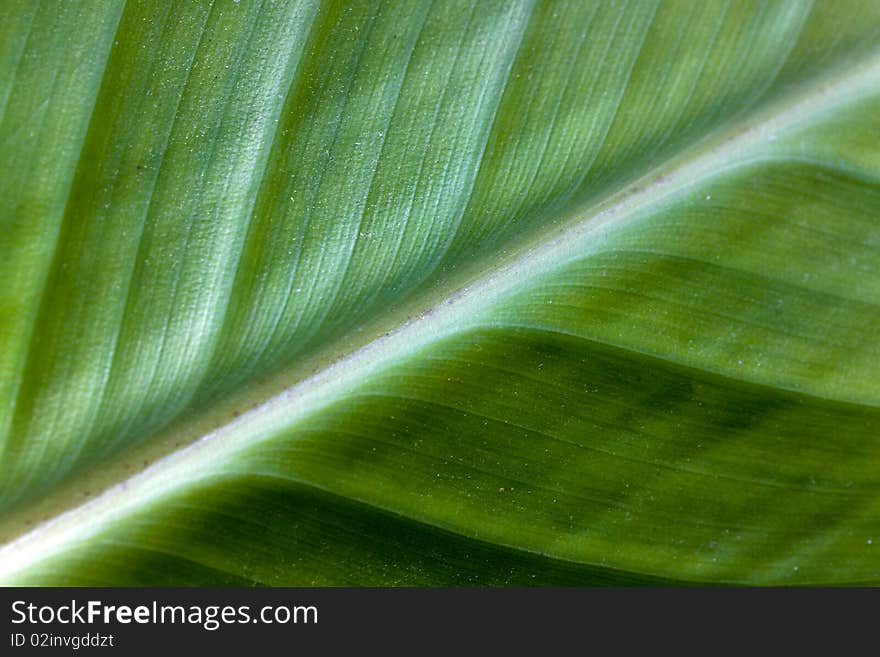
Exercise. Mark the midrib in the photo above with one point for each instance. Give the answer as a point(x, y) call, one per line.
point(59, 520)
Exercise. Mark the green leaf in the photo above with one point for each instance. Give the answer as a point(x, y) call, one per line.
point(440, 293)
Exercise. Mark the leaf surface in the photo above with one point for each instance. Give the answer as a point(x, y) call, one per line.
point(440, 293)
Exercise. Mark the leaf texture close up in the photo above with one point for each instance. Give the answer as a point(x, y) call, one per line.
point(533, 292)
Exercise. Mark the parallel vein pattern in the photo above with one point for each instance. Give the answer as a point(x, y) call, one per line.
point(453, 292)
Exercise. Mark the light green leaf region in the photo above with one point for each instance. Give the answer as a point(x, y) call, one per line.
point(440, 292)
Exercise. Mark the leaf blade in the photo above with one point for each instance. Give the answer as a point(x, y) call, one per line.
point(578, 233)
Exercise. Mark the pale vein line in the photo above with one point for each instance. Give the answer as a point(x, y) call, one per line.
point(114, 343)
point(264, 161)
point(586, 229)
point(356, 232)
